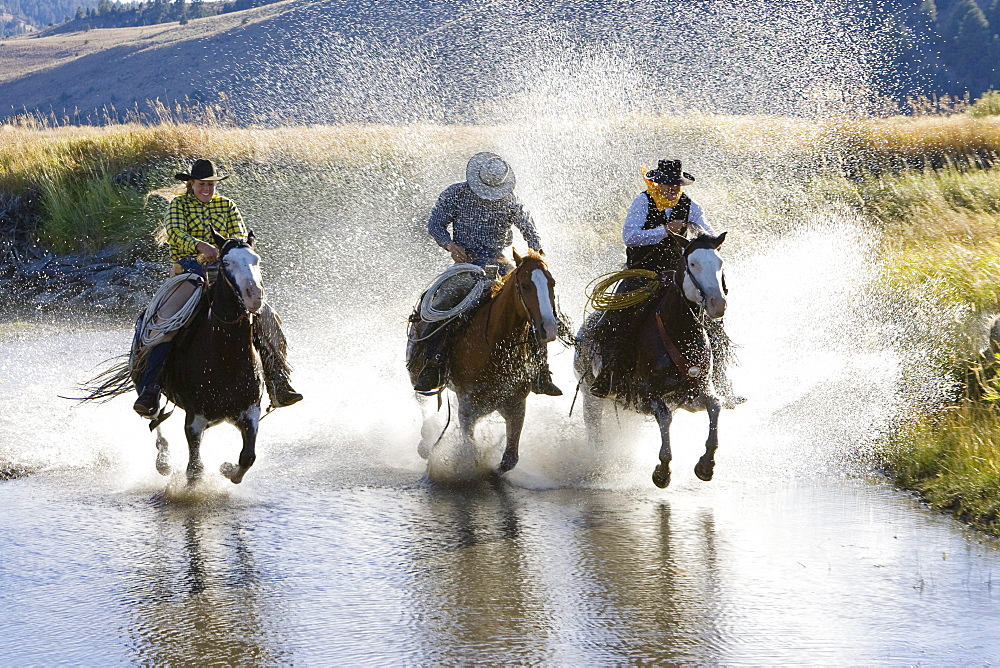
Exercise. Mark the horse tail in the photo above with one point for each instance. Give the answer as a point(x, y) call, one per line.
point(110, 383)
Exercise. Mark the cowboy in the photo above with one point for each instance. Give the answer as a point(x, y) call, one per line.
point(658, 213)
point(190, 221)
point(481, 212)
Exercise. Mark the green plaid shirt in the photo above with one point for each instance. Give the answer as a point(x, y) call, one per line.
point(190, 221)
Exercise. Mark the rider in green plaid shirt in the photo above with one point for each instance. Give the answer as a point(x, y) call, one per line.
point(190, 221)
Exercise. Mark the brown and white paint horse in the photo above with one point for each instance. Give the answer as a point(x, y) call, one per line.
point(491, 367)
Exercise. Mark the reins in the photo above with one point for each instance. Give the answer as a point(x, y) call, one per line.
point(673, 351)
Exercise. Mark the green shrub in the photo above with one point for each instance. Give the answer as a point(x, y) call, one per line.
point(987, 105)
point(89, 212)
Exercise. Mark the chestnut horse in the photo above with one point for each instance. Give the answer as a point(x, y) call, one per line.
point(492, 365)
point(674, 357)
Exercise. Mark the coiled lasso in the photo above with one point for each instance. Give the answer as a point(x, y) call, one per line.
point(153, 329)
point(431, 314)
point(602, 298)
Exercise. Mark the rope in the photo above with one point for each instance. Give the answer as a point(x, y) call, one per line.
point(602, 298)
point(431, 314)
point(153, 329)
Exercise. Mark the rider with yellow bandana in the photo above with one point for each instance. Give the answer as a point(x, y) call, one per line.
point(658, 213)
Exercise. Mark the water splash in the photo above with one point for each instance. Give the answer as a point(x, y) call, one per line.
point(578, 97)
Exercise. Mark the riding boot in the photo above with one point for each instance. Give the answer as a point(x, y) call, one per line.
point(270, 344)
point(429, 378)
point(148, 403)
point(542, 382)
point(603, 386)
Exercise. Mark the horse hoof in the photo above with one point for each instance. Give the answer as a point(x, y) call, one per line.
point(163, 464)
point(506, 465)
point(661, 476)
point(233, 472)
point(705, 471)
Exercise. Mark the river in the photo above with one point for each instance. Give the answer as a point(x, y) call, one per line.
point(339, 548)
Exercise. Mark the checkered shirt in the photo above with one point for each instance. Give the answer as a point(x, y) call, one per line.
point(482, 227)
point(190, 221)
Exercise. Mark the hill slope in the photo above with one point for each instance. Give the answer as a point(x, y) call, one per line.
point(406, 60)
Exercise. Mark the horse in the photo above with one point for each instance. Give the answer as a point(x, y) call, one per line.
point(212, 371)
point(491, 365)
point(675, 364)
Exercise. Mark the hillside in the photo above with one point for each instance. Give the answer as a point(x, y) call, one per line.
point(409, 60)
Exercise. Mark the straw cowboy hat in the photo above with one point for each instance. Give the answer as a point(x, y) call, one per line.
point(201, 170)
point(489, 176)
point(668, 173)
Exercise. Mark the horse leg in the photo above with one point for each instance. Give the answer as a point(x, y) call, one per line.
point(162, 454)
point(513, 415)
point(706, 464)
point(194, 428)
point(467, 419)
point(664, 415)
point(247, 424)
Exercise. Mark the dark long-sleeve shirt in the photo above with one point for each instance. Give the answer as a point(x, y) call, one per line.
point(481, 226)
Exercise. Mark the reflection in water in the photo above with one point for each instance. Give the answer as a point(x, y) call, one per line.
point(294, 571)
point(197, 595)
point(562, 578)
point(470, 561)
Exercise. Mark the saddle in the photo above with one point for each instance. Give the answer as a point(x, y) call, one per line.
point(442, 313)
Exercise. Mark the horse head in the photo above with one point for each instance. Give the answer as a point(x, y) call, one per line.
point(536, 290)
point(704, 282)
point(240, 265)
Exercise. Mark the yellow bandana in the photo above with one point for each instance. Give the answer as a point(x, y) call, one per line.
point(661, 202)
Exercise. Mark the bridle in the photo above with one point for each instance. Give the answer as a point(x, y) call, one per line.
point(244, 313)
point(697, 285)
point(524, 305)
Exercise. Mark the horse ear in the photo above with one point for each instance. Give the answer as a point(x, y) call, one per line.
point(251, 239)
point(218, 239)
point(719, 239)
point(517, 258)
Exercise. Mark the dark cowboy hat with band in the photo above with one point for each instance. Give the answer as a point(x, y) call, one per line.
point(489, 176)
point(201, 170)
point(668, 173)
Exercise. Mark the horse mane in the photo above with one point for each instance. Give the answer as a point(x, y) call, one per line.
point(499, 284)
point(703, 240)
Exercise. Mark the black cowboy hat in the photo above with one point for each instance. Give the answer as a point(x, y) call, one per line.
point(668, 173)
point(201, 170)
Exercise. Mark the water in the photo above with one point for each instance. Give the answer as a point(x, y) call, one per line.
point(339, 548)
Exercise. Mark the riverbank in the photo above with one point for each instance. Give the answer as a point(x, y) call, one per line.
point(940, 247)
